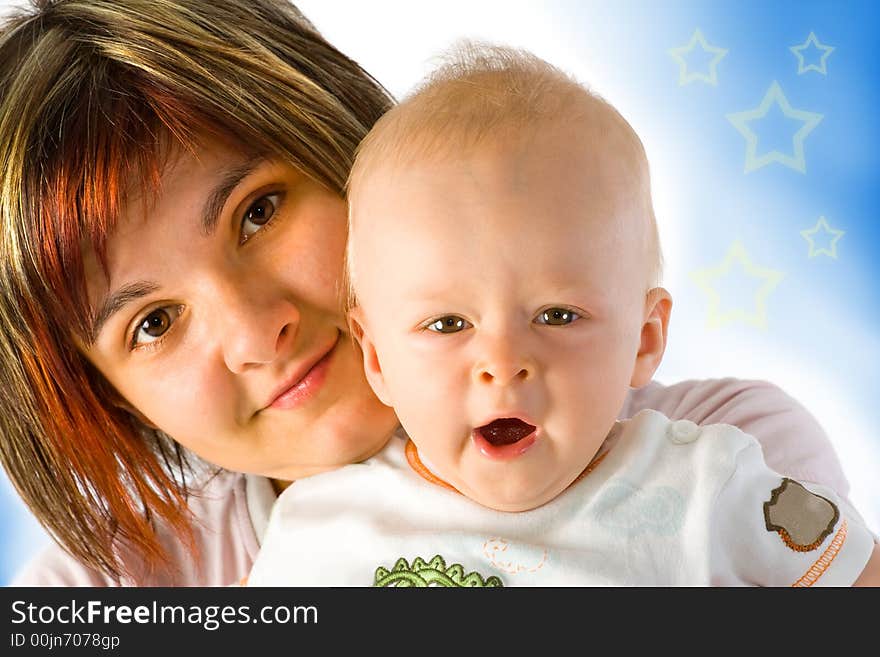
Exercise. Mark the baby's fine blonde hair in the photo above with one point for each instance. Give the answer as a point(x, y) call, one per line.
point(482, 93)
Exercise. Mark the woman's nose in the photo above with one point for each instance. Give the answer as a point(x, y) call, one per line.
point(257, 323)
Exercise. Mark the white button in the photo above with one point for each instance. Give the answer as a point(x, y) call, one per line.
point(683, 431)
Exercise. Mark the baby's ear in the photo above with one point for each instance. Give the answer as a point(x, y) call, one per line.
point(652, 344)
point(372, 367)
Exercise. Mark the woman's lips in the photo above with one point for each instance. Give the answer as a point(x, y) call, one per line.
point(306, 387)
point(504, 439)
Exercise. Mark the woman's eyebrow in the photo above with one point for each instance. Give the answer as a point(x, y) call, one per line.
point(229, 179)
point(116, 301)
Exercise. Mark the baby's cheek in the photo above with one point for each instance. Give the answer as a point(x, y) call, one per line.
point(428, 399)
point(581, 387)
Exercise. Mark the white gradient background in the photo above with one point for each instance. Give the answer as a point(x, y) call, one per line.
point(820, 343)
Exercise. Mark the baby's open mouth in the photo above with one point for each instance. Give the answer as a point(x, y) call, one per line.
point(505, 431)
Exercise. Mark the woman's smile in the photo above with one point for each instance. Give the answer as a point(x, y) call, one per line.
point(305, 383)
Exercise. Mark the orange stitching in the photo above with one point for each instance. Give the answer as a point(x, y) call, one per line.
point(412, 457)
point(509, 566)
point(822, 563)
point(789, 541)
point(590, 467)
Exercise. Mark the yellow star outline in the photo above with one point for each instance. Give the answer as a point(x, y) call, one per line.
point(678, 55)
point(820, 67)
point(704, 279)
point(822, 225)
point(795, 161)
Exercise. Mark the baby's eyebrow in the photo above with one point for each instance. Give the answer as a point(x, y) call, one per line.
point(229, 179)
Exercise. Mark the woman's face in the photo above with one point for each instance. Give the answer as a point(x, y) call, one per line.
point(221, 322)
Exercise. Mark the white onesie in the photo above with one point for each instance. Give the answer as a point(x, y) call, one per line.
point(669, 503)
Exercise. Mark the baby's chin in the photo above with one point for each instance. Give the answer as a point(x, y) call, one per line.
point(513, 498)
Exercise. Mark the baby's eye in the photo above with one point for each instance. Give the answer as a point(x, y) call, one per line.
point(556, 317)
point(258, 215)
point(448, 324)
point(154, 325)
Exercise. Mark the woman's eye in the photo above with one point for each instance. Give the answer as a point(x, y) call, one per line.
point(258, 215)
point(448, 324)
point(154, 326)
point(556, 317)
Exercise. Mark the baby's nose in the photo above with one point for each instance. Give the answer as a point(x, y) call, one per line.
point(503, 367)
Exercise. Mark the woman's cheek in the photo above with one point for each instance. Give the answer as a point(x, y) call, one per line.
point(188, 403)
point(311, 254)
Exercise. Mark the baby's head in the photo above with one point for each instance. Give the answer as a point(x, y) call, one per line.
point(503, 262)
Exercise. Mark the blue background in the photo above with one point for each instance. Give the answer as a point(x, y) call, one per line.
point(819, 339)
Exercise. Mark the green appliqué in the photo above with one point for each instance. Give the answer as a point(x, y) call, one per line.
point(432, 573)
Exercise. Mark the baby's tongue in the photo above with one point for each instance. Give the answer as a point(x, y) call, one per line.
point(505, 431)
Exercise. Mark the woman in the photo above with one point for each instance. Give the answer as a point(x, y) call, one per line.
point(173, 228)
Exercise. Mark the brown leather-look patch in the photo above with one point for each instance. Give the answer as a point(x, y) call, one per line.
point(801, 518)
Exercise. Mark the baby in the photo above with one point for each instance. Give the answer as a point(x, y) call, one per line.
point(504, 267)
